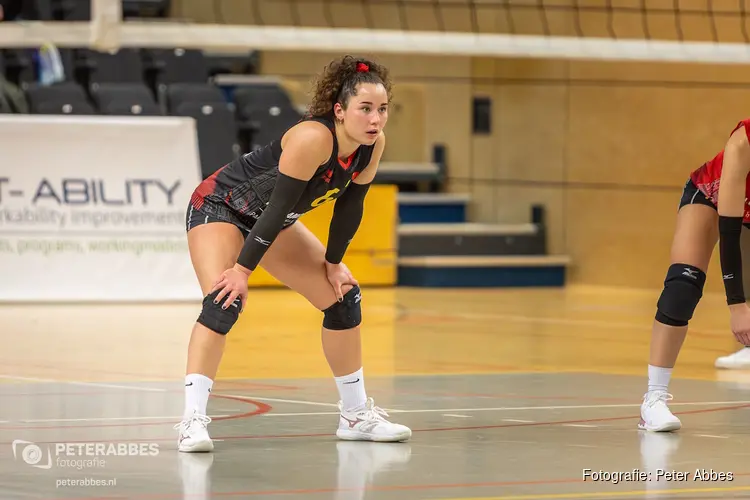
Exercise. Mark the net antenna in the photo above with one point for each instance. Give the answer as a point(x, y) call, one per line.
point(107, 31)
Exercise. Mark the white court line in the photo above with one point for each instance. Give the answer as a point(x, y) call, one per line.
point(522, 408)
point(106, 419)
point(579, 425)
point(571, 407)
point(712, 436)
point(457, 416)
point(88, 384)
point(517, 420)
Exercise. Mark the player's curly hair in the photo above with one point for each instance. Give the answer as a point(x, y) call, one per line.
point(339, 81)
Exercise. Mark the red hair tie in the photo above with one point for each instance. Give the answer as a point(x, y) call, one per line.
point(362, 68)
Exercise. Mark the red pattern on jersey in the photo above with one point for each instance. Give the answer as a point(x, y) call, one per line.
point(205, 188)
point(707, 178)
point(345, 164)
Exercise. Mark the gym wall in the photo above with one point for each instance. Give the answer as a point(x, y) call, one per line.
point(605, 146)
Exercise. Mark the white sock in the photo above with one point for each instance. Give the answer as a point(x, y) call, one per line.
point(658, 378)
point(352, 390)
point(197, 390)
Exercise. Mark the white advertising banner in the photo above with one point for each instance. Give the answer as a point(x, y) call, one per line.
point(93, 208)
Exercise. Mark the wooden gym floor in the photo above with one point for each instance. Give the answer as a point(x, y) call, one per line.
point(511, 394)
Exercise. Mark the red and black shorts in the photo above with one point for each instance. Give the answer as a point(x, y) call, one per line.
point(691, 195)
point(207, 211)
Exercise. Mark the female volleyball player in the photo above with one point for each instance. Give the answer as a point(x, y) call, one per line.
point(246, 214)
point(713, 207)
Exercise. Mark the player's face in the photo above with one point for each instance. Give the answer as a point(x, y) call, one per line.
point(367, 113)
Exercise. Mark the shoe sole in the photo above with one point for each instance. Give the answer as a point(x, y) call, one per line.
point(348, 435)
point(204, 447)
point(673, 426)
point(731, 366)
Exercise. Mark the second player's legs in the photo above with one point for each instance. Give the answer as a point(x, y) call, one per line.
point(695, 237)
point(297, 259)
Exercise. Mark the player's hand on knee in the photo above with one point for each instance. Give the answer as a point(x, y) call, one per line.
point(741, 323)
point(339, 275)
point(233, 284)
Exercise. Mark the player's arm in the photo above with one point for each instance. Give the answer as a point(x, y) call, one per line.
point(349, 207)
point(305, 147)
point(735, 167)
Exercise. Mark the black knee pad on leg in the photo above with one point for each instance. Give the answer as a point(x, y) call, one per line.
point(683, 289)
point(346, 314)
point(217, 319)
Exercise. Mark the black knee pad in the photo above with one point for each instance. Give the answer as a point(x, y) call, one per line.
point(683, 289)
point(346, 314)
point(217, 319)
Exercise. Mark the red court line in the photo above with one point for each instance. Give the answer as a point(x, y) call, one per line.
point(579, 421)
point(498, 426)
point(261, 408)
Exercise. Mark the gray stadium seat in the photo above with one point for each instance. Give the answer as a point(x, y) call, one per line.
point(124, 99)
point(265, 110)
point(176, 65)
point(65, 98)
point(123, 66)
point(215, 122)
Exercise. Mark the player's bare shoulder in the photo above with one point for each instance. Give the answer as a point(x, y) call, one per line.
point(310, 139)
point(736, 161)
point(739, 138)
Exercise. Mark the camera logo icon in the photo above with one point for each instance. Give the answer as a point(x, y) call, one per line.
point(31, 454)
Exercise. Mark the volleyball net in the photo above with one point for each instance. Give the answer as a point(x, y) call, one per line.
point(700, 31)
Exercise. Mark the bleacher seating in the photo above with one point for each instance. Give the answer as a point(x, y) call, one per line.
point(264, 110)
point(123, 66)
point(176, 66)
point(115, 82)
point(72, 10)
point(437, 249)
point(65, 98)
point(215, 122)
point(124, 99)
point(134, 82)
point(145, 8)
point(80, 10)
